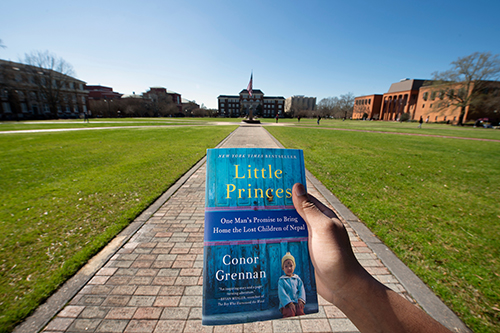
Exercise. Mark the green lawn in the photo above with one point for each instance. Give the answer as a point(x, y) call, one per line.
point(391, 126)
point(64, 195)
point(433, 201)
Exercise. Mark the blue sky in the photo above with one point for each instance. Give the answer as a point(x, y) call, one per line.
point(203, 48)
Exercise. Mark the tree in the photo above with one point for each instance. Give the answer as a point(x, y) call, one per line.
point(51, 75)
point(465, 83)
point(346, 105)
point(326, 107)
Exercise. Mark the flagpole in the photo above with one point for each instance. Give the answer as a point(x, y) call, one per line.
point(250, 93)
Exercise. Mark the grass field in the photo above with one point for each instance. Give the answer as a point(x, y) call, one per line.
point(433, 201)
point(64, 195)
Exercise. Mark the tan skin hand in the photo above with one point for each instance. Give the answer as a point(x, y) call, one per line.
point(342, 281)
point(333, 260)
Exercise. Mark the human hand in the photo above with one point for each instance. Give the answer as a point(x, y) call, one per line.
point(329, 246)
point(341, 280)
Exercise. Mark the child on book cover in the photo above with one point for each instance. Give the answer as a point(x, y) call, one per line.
point(291, 290)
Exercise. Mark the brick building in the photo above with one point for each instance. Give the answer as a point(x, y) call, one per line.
point(367, 107)
point(419, 98)
point(262, 106)
point(101, 92)
point(157, 93)
point(28, 92)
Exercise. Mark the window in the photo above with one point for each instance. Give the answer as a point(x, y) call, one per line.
point(433, 95)
point(425, 96)
point(6, 107)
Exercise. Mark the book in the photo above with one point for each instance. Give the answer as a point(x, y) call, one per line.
point(256, 256)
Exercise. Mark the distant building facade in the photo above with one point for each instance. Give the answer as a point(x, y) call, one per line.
point(100, 92)
point(24, 93)
point(420, 98)
point(239, 105)
point(299, 103)
point(157, 93)
point(367, 107)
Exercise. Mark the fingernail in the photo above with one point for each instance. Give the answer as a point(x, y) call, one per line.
point(301, 190)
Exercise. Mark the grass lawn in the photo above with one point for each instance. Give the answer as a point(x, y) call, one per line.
point(392, 126)
point(433, 201)
point(64, 195)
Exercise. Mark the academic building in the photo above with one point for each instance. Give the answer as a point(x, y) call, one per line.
point(299, 103)
point(28, 92)
point(418, 98)
point(262, 106)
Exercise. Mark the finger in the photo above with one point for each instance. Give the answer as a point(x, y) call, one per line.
point(308, 206)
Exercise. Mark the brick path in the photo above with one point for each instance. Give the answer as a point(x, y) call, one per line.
point(154, 281)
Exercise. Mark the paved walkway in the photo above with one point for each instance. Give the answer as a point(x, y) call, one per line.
point(149, 278)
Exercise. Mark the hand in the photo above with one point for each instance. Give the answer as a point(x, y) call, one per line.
point(291, 306)
point(329, 246)
point(341, 280)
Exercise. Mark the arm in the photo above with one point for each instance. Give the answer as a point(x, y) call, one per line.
point(283, 296)
point(302, 292)
point(341, 280)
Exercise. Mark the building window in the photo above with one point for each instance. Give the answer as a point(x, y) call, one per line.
point(6, 107)
point(425, 96)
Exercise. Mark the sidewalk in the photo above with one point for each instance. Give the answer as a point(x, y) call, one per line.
point(149, 278)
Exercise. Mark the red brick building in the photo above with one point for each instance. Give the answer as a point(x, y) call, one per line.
point(367, 107)
point(419, 98)
point(101, 92)
point(156, 93)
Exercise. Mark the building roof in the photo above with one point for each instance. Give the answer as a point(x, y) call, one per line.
point(254, 91)
point(405, 85)
point(228, 96)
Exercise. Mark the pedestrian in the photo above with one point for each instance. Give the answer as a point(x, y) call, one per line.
point(277, 117)
point(319, 118)
point(298, 118)
point(420, 122)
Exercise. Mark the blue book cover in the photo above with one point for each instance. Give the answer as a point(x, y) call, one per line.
point(256, 259)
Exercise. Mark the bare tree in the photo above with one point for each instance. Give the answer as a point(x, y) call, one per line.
point(51, 74)
point(465, 83)
point(346, 105)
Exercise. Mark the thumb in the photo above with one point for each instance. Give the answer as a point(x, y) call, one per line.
point(308, 207)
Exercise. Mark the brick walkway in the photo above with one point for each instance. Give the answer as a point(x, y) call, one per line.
point(154, 281)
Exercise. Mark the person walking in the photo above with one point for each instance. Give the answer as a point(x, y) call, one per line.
point(420, 122)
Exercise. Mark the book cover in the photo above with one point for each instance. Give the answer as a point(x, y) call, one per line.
point(256, 259)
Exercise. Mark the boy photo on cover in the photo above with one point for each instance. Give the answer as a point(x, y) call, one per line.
point(291, 290)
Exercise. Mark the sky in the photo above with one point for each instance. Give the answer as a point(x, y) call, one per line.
point(203, 49)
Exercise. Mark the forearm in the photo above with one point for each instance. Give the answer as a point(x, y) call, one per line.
point(372, 307)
